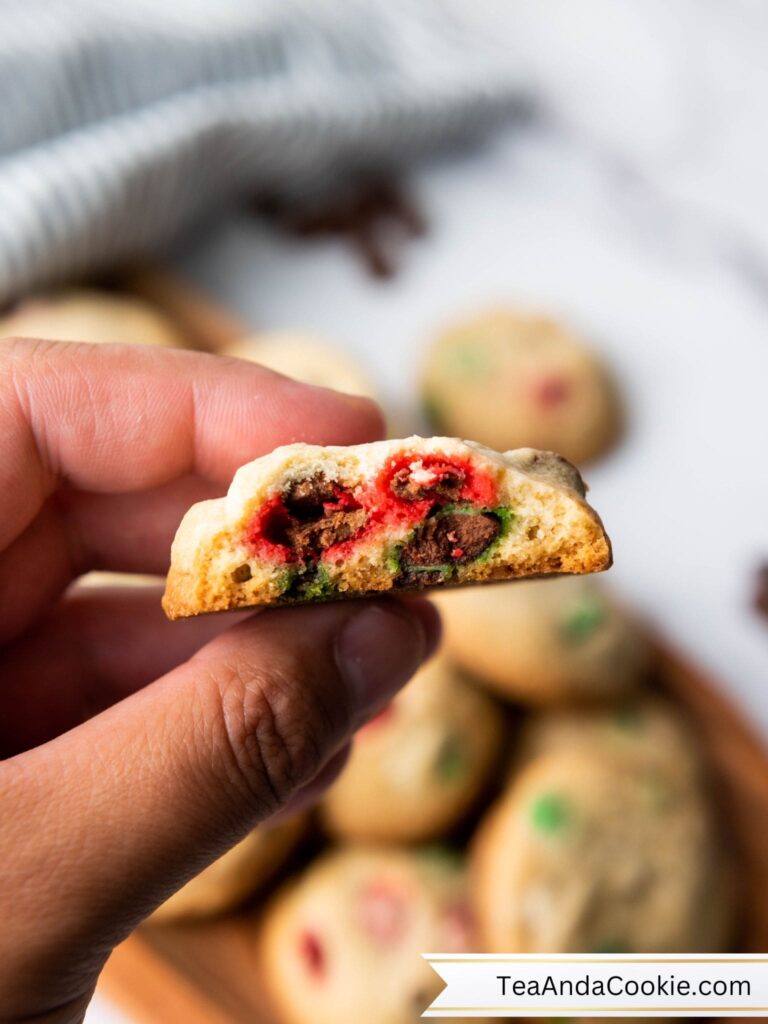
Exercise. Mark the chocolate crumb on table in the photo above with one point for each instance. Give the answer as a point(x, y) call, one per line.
point(760, 600)
point(373, 215)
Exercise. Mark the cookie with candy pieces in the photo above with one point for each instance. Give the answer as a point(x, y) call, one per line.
point(309, 523)
point(343, 943)
point(512, 377)
point(421, 764)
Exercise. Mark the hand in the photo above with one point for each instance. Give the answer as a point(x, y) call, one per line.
point(116, 788)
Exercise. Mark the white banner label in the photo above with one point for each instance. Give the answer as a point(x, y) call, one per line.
point(605, 985)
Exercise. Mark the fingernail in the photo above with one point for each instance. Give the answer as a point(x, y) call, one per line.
point(378, 651)
point(429, 618)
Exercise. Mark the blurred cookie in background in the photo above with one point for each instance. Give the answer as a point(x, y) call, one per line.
point(418, 768)
point(236, 876)
point(545, 641)
point(343, 943)
point(81, 314)
point(304, 357)
point(590, 853)
point(646, 729)
point(514, 379)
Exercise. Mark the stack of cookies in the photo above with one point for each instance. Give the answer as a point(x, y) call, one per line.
point(530, 790)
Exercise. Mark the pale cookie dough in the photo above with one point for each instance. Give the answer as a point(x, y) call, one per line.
point(343, 944)
point(546, 641)
point(304, 357)
point(236, 876)
point(92, 316)
point(589, 853)
point(510, 378)
point(417, 768)
point(308, 523)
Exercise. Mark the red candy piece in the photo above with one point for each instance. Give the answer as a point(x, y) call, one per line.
point(312, 953)
point(266, 534)
point(457, 552)
point(552, 391)
point(477, 485)
point(268, 537)
point(343, 501)
point(383, 911)
point(457, 928)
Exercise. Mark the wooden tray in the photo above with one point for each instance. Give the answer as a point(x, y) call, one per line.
point(204, 973)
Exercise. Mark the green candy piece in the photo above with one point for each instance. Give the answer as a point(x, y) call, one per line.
point(628, 718)
point(320, 586)
point(451, 764)
point(550, 813)
point(506, 518)
point(610, 947)
point(392, 559)
point(468, 361)
point(309, 584)
point(445, 856)
point(287, 581)
point(583, 619)
point(504, 515)
point(657, 791)
point(433, 411)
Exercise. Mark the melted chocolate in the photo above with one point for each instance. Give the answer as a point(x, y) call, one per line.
point(453, 538)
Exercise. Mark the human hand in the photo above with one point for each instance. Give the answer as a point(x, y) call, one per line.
point(138, 750)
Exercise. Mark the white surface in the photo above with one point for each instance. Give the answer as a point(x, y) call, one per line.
point(637, 208)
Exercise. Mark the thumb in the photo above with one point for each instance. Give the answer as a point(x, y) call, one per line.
point(103, 823)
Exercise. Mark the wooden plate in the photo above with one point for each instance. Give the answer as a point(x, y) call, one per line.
point(205, 973)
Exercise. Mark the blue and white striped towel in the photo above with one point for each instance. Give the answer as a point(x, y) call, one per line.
point(122, 121)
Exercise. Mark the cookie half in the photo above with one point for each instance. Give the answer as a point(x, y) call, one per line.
point(309, 523)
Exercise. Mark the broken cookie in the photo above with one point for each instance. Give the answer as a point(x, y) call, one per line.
point(310, 523)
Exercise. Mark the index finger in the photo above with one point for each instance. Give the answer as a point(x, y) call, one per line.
point(116, 418)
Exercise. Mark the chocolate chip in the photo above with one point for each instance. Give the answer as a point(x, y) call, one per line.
point(447, 486)
point(242, 573)
point(305, 498)
point(410, 576)
point(316, 514)
point(456, 538)
point(331, 528)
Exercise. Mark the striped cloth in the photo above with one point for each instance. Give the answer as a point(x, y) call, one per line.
point(123, 121)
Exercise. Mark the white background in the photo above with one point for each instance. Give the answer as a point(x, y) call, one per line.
point(634, 202)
